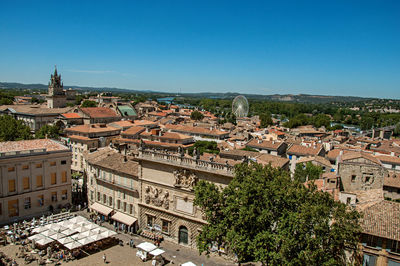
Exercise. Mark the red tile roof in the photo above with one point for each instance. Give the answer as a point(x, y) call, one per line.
point(264, 144)
point(382, 219)
point(99, 112)
point(71, 115)
point(92, 128)
point(303, 150)
point(133, 130)
point(26, 145)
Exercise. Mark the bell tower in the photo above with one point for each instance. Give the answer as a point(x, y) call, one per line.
point(56, 97)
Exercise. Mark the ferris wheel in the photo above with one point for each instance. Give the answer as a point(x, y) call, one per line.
point(240, 106)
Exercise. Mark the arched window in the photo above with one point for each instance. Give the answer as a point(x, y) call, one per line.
point(183, 235)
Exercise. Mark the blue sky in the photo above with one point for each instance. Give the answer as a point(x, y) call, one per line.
point(315, 47)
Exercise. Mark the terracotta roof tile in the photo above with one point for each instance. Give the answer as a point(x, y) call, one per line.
point(133, 130)
point(382, 219)
point(99, 112)
point(71, 115)
point(263, 144)
point(303, 150)
point(26, 145)
point(92, 128)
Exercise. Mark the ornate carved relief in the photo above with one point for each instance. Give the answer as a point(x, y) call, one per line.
point(156, 197)
point(185, 179)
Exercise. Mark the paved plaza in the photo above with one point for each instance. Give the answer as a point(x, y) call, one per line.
point(125, 255)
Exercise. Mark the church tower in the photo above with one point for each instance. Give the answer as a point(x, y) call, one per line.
point(56, 97)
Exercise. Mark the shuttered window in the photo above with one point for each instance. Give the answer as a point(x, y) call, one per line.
point(64, 177)
point(25, 183)
point(39, 181)
point(11, 185)
point(53, 178)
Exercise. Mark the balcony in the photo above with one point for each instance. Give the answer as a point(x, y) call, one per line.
point(174, 159)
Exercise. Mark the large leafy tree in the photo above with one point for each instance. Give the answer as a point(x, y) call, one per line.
point(88, 103)
point(48, 131)
point(263, 215)
point(196, 115)
point(308, 171)
point(12, 129)
point(265, 120)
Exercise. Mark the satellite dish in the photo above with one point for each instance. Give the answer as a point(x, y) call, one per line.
point(240, 106)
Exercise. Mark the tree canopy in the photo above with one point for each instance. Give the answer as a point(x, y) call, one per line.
point(263, 215)
point(88, 103)
point(203, 146)
point(49, 131)
point(265, 120)
point(308, 171)
point(196, 115)
point(12, 129)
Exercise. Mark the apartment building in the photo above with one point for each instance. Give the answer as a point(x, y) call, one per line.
point(86, 137)
point(35, 177)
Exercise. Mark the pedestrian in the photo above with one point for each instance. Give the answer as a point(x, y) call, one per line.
point(104, 258)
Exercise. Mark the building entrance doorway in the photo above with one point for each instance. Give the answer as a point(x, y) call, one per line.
point(183, 235)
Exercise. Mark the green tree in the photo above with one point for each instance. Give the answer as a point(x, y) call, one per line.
point(322, 120)
point(88, 103)
point(203, 146)
point(196, 115)
point(49, 131)
point(308, 171)
point(367, 122)
point(396, 131)
point(265, 120)
point(265, 216)
point(12, 129)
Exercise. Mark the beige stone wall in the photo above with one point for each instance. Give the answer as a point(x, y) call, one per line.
point(159, 186)
point(360, 174)
point(175, 222)
point(27, 167)
point(121, 188)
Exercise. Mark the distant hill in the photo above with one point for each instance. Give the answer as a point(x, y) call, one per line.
point(301, 98)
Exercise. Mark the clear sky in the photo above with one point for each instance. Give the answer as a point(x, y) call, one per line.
point(267, 47)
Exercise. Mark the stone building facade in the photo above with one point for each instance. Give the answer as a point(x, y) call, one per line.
point(35, 177)
point(360, 171)
point(167, 194)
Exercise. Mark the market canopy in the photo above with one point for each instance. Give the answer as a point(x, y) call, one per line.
point(147, 246)
point(189, 263)
point(73, 245)
point(157, 252)
point(101, 208)
point(123, 218)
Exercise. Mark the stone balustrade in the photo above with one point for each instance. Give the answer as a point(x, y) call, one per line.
point(182, 161)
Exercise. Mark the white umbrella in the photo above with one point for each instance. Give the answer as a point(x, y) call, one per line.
point(39, 229)
point(91, 226)
point(48, 233)
point(189, 263)
point(81, 229)
point(97, 237)
point(57, 236)
point(65, 240)
point(68, 232)
point(97, 230)
point(35, 237)
point(77, 219)
point(86, 240)
point(73, 245)
point(108, 233)
point(147, 246)
point(44, 241)
point(157, 252)
point(86, 233)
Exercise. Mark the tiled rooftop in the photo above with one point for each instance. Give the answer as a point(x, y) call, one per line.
point(26, 145)
point(382, 219)
point(99, 112)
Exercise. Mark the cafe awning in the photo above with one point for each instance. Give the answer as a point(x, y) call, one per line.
point(101, 208)
point(123, 218)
